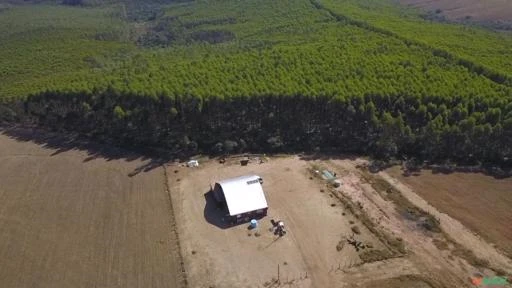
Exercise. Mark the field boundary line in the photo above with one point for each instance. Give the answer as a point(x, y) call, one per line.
point(497, 259)
point(174, 229)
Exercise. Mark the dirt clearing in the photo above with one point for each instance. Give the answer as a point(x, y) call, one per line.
point(479, 10)
point(317, 251)
point(311, 254)
point(482, 203)
point(72, 219)
point(400, 282)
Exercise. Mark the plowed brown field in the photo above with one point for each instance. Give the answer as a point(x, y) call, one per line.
point(71, 220)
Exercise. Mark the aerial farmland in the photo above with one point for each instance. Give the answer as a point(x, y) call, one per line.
point(255, 143)
point(96, 215)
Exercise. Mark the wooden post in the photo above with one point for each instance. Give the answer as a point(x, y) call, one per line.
point(278, 280)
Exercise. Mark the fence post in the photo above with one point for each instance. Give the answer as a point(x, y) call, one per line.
point(278, 280)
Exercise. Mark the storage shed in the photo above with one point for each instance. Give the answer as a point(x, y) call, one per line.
point(244, 197)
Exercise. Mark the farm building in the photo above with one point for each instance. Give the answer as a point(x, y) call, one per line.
point(244, 197)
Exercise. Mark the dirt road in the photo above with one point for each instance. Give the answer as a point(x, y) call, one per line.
point(72, 219)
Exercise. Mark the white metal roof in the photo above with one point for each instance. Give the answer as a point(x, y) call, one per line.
point(243, 194)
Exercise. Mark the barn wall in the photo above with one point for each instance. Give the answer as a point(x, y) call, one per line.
point(218, 194)
point(246, 217)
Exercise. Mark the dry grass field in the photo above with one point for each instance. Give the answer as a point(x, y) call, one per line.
point(73, 217)
point(479, 10)
point(480, 202)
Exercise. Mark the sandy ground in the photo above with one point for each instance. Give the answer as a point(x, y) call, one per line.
point(423, 256)
point(213, 251)
point(75, 218)
point(480, 10)
point(482, 203)
point(228, 257)
point(409, 282)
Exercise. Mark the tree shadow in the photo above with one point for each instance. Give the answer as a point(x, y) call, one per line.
point(410, 171)
point(495, 172)
point(152, 164)
point(407, 173)
point(327, 156)
point(65, 142)
point(272, 242)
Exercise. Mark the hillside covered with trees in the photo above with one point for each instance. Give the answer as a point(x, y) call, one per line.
point(224, 76)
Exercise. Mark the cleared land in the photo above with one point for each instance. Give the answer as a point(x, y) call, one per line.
point(486, 10)
point(409, 282)
point(319, 219)
point(77, 215)
point(75, 218)
point(480, 202)
point(225, 256)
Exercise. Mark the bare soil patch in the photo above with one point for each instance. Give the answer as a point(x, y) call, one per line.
point(71, 217)
point(322, 246)
point(315, 249)
point(409, 281)
point(448, 264)
point(480, 10)
point(482, 203)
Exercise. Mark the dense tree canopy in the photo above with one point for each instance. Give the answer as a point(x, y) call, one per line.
point(225, 76)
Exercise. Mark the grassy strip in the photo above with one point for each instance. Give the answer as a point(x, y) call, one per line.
point(470, 256)
point(394, 246)
point(428, 221)
point(407, 281)
point(402, 205)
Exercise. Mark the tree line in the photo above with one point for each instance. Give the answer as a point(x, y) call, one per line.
point(460, 129)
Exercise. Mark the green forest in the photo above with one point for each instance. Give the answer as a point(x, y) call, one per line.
point(226, 76)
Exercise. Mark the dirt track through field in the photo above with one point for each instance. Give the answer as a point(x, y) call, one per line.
point(479, 202)
point(72, 219)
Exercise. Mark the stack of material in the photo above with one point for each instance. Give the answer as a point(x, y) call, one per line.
point(328, 175)
point(244, 161)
